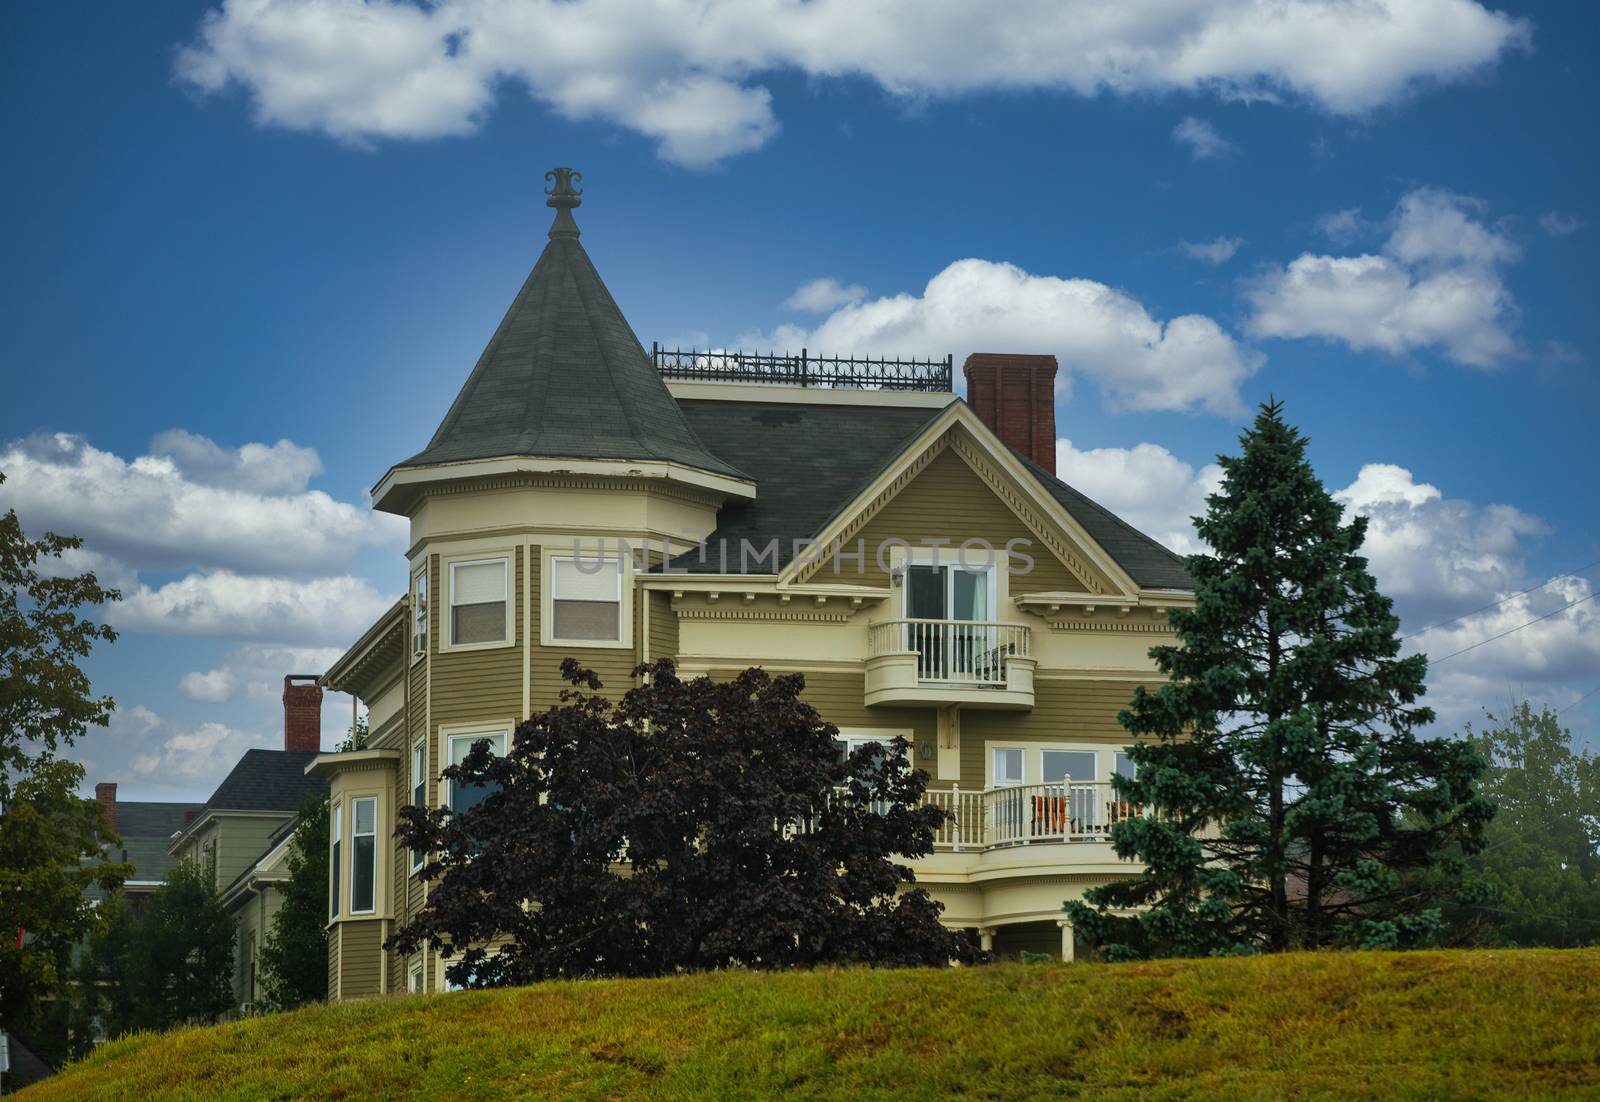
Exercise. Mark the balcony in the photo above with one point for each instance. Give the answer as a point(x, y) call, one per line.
point(974, 663)
point(1026, 814)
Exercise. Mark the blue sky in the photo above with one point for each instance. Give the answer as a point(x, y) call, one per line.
point(299, 223)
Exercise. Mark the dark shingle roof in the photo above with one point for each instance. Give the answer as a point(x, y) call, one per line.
point(564, 376)
point(809, 461)
point(267, 780)
point(147, 829)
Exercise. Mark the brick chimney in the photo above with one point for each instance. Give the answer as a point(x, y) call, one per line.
point(302, 713)
point(1015, 395)
point(106, 793)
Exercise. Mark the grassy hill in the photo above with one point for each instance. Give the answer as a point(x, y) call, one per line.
point(1360, 1025)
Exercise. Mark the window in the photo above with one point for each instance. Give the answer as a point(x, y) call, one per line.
point(335, 818)
point(478, 602)
point(419, 793)
point(414, 977)
point(463, 797)
point(1058, 765)
point(363, 854)
point(1007, 766)
point(419, 614)
point(1124, 765)
point(586, 599)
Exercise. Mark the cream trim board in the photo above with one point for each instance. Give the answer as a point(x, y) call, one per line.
point(1032, 757)
point(396, 489)
point(548, 556)
point(503, 554)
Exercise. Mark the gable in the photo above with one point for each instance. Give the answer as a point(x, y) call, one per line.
point(946, 498)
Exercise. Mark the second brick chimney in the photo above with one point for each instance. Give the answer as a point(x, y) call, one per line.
point(106, 793)
point(302, 714)
point(1015, 395)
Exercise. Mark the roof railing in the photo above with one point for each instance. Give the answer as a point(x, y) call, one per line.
point(788, 369)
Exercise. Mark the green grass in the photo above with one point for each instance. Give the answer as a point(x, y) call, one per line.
point(1438, 1025)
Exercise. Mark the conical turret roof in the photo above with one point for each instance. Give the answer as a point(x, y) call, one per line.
point(564, 376)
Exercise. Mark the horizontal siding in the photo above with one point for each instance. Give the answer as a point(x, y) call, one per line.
point(840, 699)
point(470, 686)
point(948, 501)
point(361, 959)
point(334, 936)
point(663, 626)
point(1069, 711)
point(613, 665)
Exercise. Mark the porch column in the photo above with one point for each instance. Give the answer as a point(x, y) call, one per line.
point(986, 938)
point(1066, 939)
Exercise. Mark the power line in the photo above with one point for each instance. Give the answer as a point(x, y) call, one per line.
point(1513, 631)
point(1502, 600)
point(1580, 700)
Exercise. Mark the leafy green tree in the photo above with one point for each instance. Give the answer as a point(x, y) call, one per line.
point(183, 960)
point(108, 996)
point(294, 957)
point(52, 848)
point(1295, 803)
point(1542, 856)
point(692, 825)
point(45, 698)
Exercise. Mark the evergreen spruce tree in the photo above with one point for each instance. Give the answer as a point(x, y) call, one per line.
point(1294, 804)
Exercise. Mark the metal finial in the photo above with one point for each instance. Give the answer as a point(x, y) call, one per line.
point(563, 194)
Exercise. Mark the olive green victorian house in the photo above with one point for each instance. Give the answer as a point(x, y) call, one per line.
point(853, 519)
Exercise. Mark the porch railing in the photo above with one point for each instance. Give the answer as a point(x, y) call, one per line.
point(969, 652)
point(1013, 815)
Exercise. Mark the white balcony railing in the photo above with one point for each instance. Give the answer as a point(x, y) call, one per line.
point(956, 652)
point(1066, 811)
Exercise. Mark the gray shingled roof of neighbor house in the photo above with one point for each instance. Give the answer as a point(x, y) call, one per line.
point(267, 780)
point(565, 377)
point(810, 461)
point(147, 828)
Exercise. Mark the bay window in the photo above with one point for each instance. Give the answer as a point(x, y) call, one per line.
point(464, 797)
point(419, 791)
point(335, 822)
point(363, 855)
point(586, 600)
point(419, 615)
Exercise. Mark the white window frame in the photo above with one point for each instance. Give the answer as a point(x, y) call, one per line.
point(547, 583)
point(414, 985)
point(335, 857)
point(447, 627)
point(419, 796)
point(992, 772)
point(373, 834)
point(1033, 758)
point(419, 630)
point(472, 733)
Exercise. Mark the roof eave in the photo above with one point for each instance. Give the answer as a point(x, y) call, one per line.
point(398, 489)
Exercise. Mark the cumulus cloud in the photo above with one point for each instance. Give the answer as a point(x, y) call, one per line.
point(1558, 224)
point(1442, 559)
point(818, 296)
point(220, 604)
point(686, 74)
point(1343, 226)
point(1436, 283)
point(1146, 485)
point(1203, 140)
point(1103, 334)
point(255, 672)
point(191, 503)
point(1219, 250)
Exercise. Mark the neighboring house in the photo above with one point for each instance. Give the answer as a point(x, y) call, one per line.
point(242, 833)
point(801, 505)
point(146, 829)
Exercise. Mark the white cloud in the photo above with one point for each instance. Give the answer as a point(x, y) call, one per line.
point(1145, 485)
point(196, 505)
point(685, 72)
point(1219, 250)
point(256, 671)
point(1343, 226)
point(1184, 363)
point(1203, 141)
point(222, 605)
point(1437, 283)
point(818, 296)
point(202, 753)
point(1558, 224)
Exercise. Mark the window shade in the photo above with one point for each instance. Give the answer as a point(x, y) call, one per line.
point(478, 583)
point(593, 581)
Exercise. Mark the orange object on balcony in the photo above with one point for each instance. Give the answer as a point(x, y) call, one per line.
point(1050, 815)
